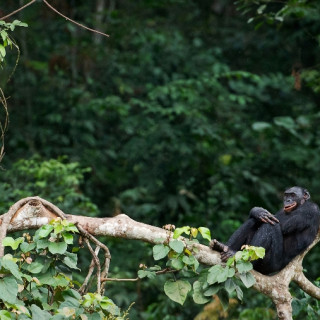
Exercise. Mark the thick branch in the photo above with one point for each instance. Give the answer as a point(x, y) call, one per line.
point(306, 285)
point(120, 226)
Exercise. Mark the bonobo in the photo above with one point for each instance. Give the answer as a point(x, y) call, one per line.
point(284, 235)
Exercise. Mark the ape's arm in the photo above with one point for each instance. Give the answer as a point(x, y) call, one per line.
point(263, 215)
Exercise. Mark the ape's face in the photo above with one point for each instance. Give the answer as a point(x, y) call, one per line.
point(294, 197)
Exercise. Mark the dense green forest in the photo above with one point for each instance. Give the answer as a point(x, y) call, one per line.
point(189, 113)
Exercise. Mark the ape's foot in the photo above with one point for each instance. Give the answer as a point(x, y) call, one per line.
point(226, 255)
point(225, 251)
point(218, 246)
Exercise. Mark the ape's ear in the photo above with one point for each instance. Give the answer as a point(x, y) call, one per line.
point(306, 194)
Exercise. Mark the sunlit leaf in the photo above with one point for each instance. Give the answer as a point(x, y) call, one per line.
point(177, 290)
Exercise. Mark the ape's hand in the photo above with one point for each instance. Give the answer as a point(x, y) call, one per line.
point(263, 215)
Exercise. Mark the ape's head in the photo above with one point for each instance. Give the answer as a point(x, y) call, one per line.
point(294, 197)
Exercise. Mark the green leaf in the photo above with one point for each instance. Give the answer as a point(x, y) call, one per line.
point(160, 251)
point(155, 268)
point(13, 243)
point(176, 245)
point(177, 290)
point(285, 122)
point(69, 226)
point(212, 290)
point(4, 35)
point(11, 266)
point(177, 264)
point(19, 23)
point(108, 305)
point(34, 267)
point(205, 232)
point(179, 231)
point(27, 247)
point(146, 274)
point(238, 256)
point(224, 298)
point(65, 312)
point(198, 296)
point(56, 281)
point(239, 293)
point(191, 260)
point(42, 244)
point(244, 266)
point(261, 9)
point(230, 286)
point(260, 126)
point(38, 314)
point(225, 274)
point(71, 260)
point(2, 51)
point(71, 293)
point(57, 247)
point(67, 237)
point(8, 289)
point(58, 228)
point(5, 315)
point(259, 251)
point(44, 231)
point(247, 279)
point(213, 274)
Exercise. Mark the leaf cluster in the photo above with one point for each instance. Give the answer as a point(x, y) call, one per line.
point(220, 280)
point(37, 279)
point(5, 38)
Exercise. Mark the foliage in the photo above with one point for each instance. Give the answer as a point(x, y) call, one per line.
point(304, 306)
point(6, 40)
point(37, 279)
point(56, 180)
point(202, 282)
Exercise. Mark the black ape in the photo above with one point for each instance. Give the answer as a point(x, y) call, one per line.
point(284, 235)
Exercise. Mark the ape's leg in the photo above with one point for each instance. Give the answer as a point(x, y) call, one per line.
point(244, 234)
point(269, 237)
point(240, 237)
point(218, 246)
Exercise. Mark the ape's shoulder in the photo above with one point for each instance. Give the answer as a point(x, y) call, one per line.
point(311, 207)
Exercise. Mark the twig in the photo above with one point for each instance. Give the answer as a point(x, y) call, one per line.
point(91, 268)
point(86, 234)
point(56, 11)
point(4, 126)
point(104, 273)
point(107, 257)
point(17, 60)
point(16, 11)
point(77, 23)
point(119, 280)
point(97, 263)
point(166, 270)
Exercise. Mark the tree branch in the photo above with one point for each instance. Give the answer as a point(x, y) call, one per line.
point(16, 11)
point(77, 23)
point(57, 12)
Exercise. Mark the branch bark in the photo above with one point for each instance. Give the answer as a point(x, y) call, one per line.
point(34, 212)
